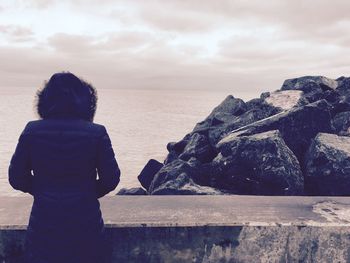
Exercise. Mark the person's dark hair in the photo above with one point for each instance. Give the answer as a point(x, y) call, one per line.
point(66, 96)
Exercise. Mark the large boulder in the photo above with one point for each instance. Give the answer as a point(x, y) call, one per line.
point(257, 110)
point(132, 191)
point(314, 87)
point(148, 172)
point(198, 147)
point(285, 99)
point(302, 83)
point(226, 110)
point(341, 123)
point(343, 91)
point(176, 148)
point(170, 172)
point(184, 185)
point(328, 165)
point(260, 164)
point(344, 87)
point(297, 126)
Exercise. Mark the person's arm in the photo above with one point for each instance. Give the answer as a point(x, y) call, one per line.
point(19, 171)
point(107, 166)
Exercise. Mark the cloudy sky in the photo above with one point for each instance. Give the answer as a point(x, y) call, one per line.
point(233, 45)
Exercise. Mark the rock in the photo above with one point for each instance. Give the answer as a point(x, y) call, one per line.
point(226, 110)
point(230, 105)
point(184, 185)
point(231, 114)
point(259, 110)
point(340, 106)
point(265, 95)
point(286, 99)
point(169, 172)
point(341, 123)
point(302, 83)
point(201, 172)
point(132, 191)
point(343, 90)
point(328, 165)
point(314, 87)
point(297, 126)
point(247, 147)
point(260, 164)
point(344, 87)
point(198, 146)
point(172, 156)
point(148, 172)
point(176, 148)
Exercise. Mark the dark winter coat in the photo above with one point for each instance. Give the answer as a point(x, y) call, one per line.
point(57, 160)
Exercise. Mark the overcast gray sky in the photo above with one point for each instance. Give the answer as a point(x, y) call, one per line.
point(233, 45)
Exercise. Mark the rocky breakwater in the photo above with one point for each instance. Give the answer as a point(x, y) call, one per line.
point(293, 141)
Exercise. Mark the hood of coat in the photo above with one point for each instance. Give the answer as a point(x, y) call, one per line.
point(66, 96)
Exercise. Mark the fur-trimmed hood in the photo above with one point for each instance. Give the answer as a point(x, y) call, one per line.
point(66, 96)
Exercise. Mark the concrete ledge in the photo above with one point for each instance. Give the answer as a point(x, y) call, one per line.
point(206, 228)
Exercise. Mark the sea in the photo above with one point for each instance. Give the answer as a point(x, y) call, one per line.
point(140, 123)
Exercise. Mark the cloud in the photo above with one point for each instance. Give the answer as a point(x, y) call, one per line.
point(71, 44)
point(40, 4)
point(297, 18)
point(157, 66)
point(16, 33)
point(231, 45)
point(184, 21)
point(96, 45)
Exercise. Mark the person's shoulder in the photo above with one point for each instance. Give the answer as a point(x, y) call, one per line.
point(31, 125)
point(100, 128)
point(43, 125)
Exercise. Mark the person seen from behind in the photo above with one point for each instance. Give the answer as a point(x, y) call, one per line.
point(66, 162)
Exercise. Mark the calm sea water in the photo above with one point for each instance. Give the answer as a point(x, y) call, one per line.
point(140, 124)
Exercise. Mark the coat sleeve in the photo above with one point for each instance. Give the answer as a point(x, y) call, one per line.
point(107, 166)
point(19, 171)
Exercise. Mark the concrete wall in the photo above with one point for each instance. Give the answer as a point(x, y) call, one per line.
point(207, 229)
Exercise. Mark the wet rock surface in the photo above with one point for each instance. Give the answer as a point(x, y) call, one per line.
point(265, 146)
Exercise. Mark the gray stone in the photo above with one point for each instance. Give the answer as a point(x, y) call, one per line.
point(344, 88)
point(259, 110)
point(314, 87)
point(176, 148)
point(328, 165)
point(260, 164)
point(148, 172)
point(285, 99)
point(198, 147)
point(297, 126)
point(341, 123)
point(301, 83)
point(170, 172)
point(184, 185)
point(224, 112)
point(230, 105)
point(132, 191)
